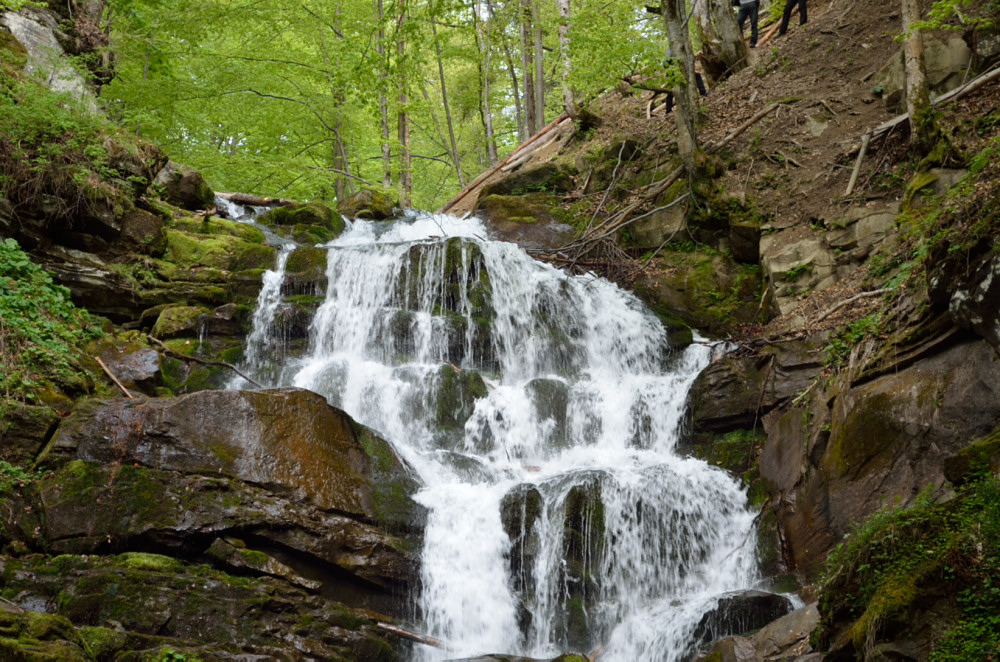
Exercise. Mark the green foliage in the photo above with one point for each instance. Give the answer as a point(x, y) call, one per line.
point(844, 340)
point(40, 330)
point(12, 477)
point(888, 563)
point(52, 146)
point(16, 5)
point(960, 15)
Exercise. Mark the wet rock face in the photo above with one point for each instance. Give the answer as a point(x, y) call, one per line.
point(739, 613)
point(289, 439)
point(144, 605)
point(886, 440)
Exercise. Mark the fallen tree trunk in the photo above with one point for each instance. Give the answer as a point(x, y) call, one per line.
point(255, 200)
point(411, 636)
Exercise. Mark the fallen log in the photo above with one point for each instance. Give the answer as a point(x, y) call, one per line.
point(256, 200)
point(856, 297)
point(411, 636)
point(865, 139)
point(517, 152)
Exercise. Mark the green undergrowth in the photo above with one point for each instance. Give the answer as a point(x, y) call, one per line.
point(939, 562)
point(41, 331)
point(53, 145)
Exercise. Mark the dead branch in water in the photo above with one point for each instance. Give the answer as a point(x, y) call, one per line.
point(411, 636)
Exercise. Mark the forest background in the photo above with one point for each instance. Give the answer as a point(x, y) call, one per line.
point(313, 100)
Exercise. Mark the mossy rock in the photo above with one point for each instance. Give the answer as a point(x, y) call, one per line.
point(393, 483)
point(29, 635)
point(307, 265)
point(215, 226)
point(978, 459)
point(194, 252)
point(13, 54)
point(546, 178)
point(178, 321)
point(311, 213)
point(457, 392)
point(185, 187)
point(369, 204)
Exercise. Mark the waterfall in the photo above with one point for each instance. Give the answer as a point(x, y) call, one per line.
point(542, 413)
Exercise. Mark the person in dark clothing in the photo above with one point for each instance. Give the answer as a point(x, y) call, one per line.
point(788, 15)
point(748, 9)
point(697, 79)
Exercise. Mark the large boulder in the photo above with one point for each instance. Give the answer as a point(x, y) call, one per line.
point(146, 606)
point(786, 638)
point(368, 203)
point(38, 30)
point(290, 439)
point(739, 613)
point(885, 440)
point(185, 187)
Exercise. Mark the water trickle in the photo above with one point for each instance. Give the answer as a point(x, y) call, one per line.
point(542, 412)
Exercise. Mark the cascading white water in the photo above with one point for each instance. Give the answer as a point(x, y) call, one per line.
point(542, 412)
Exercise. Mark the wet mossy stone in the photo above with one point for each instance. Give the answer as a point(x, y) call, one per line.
point(32, 635)
point(215, 226)
point(369, 204)
point(546, 178)
point(457, 392)
point(192, 253)
point(519, 511)
point(313, 219)
point(178, 321)
point(551, 398)
point(185, 187)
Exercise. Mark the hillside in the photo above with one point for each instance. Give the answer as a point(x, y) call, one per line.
point(858, 399)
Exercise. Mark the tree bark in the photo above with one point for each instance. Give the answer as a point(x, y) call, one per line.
point(539, 68)
point(447, 109)
point(484, 47)
point(569, 105)
point(383, 99)
point(680, 46)
point(403, 115)
point(723, 49)
point(918, 98)
point(528, 65)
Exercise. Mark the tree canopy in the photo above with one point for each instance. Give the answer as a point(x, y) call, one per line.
point(291, 99)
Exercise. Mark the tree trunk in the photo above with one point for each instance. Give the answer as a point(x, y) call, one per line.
point(383, 99)
point(918, 99)
point(447, 110)
point(527, 64)
point(484, 47)
point(539, 69)
point(680, 46)
point(723, 49)
point(522, 133)
point(569, 105)
point(403, 115)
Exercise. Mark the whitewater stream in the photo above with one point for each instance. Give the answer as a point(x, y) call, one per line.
point(541, 411)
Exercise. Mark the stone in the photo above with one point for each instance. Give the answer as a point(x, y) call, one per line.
point(142, 232)
point(136, 368)
point(526, 220)
point(178, 322)
point(289, 438)
point(147, 606)
point(728, 394)
point(24, 430)
point(185, 187)
point(368, 203)
point(36, 29)
point(660, 226)
point(945, 62)
point(739, 613)
point(889, 439)
point(975, 303)
point(548, 177)
point(785, 638)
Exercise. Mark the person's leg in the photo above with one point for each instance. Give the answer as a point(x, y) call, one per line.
point(753, 24)
point(670, 102)
point(701, 84)
point(741, 17)
point(786, 16)
point(802, 12)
